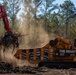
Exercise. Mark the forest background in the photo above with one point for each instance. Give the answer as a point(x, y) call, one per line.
point(40, 20)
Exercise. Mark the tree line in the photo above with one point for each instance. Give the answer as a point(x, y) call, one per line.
point(59, 20)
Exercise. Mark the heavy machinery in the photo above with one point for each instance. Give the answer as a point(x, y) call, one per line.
point(58, 53)
point(9, 37)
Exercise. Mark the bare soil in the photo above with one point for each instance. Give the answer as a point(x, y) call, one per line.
point(7, 69)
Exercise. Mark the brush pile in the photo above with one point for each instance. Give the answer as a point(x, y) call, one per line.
point(9, 40)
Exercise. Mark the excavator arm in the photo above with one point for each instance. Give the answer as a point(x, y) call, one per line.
point(9, 37)
point(3, 15)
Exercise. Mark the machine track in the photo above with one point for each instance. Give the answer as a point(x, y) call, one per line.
point(58, 65)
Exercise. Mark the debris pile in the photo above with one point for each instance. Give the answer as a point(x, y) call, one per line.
point(9, 40)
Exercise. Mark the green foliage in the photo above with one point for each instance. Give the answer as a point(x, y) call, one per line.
point(42, 12)
point(47, 9)
point(68, 11)
point(12, 8)
point(61, 23)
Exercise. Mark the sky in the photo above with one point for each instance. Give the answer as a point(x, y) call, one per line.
point(61, 1)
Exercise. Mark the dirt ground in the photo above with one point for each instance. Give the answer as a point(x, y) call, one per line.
point(7, 69)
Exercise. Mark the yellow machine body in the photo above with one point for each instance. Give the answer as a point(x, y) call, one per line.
point(59, 49)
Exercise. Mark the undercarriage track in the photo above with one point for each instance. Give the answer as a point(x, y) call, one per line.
point(58, 64)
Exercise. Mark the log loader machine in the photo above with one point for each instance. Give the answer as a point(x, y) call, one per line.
point(9, 38)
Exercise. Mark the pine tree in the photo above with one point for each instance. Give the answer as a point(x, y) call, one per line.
point(68, 11)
